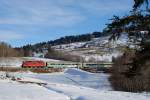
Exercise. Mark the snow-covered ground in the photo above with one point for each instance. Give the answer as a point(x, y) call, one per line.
point(17, 91)
point(10, 62)
point(74, 77)
point(72, 84)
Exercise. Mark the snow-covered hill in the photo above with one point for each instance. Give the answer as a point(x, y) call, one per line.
point(98, 49)
point(104, 41)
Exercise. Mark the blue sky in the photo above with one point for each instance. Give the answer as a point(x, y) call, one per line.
point(32, 21)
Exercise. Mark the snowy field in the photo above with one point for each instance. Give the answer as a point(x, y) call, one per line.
point(72, 84)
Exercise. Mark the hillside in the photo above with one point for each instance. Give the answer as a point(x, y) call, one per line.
point(97, 49)
point(66, 40)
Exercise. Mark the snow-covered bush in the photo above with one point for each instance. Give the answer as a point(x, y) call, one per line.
point(131, 72)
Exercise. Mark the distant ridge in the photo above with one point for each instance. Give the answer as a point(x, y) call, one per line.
point(65, 40)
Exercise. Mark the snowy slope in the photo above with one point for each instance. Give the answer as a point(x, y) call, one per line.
point(83, 93)
point(95, 42)
point(98, 49)
point(70, 46)
point(84, 87)
point(58, 87)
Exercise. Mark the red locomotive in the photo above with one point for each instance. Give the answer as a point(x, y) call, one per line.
point(33, 64)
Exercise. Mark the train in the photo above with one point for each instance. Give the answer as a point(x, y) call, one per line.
point(33, 64)
point(42, 64)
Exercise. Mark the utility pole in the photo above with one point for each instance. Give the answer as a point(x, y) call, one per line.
point(82, 61)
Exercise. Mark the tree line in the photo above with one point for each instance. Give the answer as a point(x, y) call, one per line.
point(7, 51)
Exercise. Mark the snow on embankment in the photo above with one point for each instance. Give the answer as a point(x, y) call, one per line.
point(93, 80)
point(10, 62)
